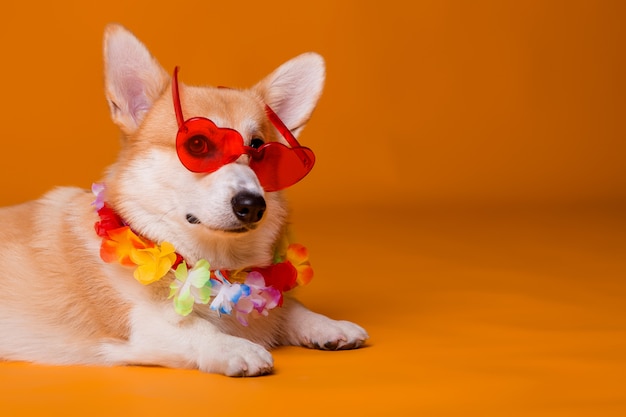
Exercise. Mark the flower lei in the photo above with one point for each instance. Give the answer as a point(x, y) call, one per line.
point(252, 291)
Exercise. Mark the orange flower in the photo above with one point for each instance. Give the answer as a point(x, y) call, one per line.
point(120, 243)
point(298, 255)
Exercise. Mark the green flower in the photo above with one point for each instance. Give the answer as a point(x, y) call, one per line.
point(191, 286)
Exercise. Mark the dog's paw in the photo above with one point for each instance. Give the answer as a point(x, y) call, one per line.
point(327, 334)
point(236, 357)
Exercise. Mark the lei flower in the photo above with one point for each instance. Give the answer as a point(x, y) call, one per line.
point(98, 191)
point(153, 263)
point(252, 296)
point(298, 256)
point(190, 287)
point(119, 244)
point(243, 293)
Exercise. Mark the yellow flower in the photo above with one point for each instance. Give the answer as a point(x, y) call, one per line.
point(153, 263)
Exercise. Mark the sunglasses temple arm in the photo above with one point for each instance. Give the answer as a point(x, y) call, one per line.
point(284, 130)
point(177, 108)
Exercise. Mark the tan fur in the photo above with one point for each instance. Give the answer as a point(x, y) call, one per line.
point(62, 304)
point(55, 289)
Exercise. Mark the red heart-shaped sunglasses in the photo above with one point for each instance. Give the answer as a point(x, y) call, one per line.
point(204, 147)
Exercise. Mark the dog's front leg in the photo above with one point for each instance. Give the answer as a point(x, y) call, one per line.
point(161, 337)
point(306, 328)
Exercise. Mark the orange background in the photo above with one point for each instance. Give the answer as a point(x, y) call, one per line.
point(467, 207)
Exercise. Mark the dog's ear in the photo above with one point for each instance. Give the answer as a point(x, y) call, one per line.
point(294, 88)
point(133, 78)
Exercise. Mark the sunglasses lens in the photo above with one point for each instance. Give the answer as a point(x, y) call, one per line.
point(278, 166)
point(204, 147)
point(200, 146)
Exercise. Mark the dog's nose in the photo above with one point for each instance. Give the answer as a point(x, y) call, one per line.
point(248, 207)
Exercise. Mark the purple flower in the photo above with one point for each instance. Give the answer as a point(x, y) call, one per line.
point(98, 190)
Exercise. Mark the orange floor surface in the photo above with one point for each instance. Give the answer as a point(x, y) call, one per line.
point(471, 312)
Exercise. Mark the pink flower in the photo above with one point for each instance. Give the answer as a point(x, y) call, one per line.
point(259, 299)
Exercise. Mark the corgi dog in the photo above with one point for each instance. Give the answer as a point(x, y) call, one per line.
point(178, 257)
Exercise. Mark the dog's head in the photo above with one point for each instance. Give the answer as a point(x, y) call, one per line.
point(224, 214)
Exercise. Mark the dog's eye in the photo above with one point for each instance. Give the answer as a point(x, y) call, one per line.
point(256, 143)
point(199, 146)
